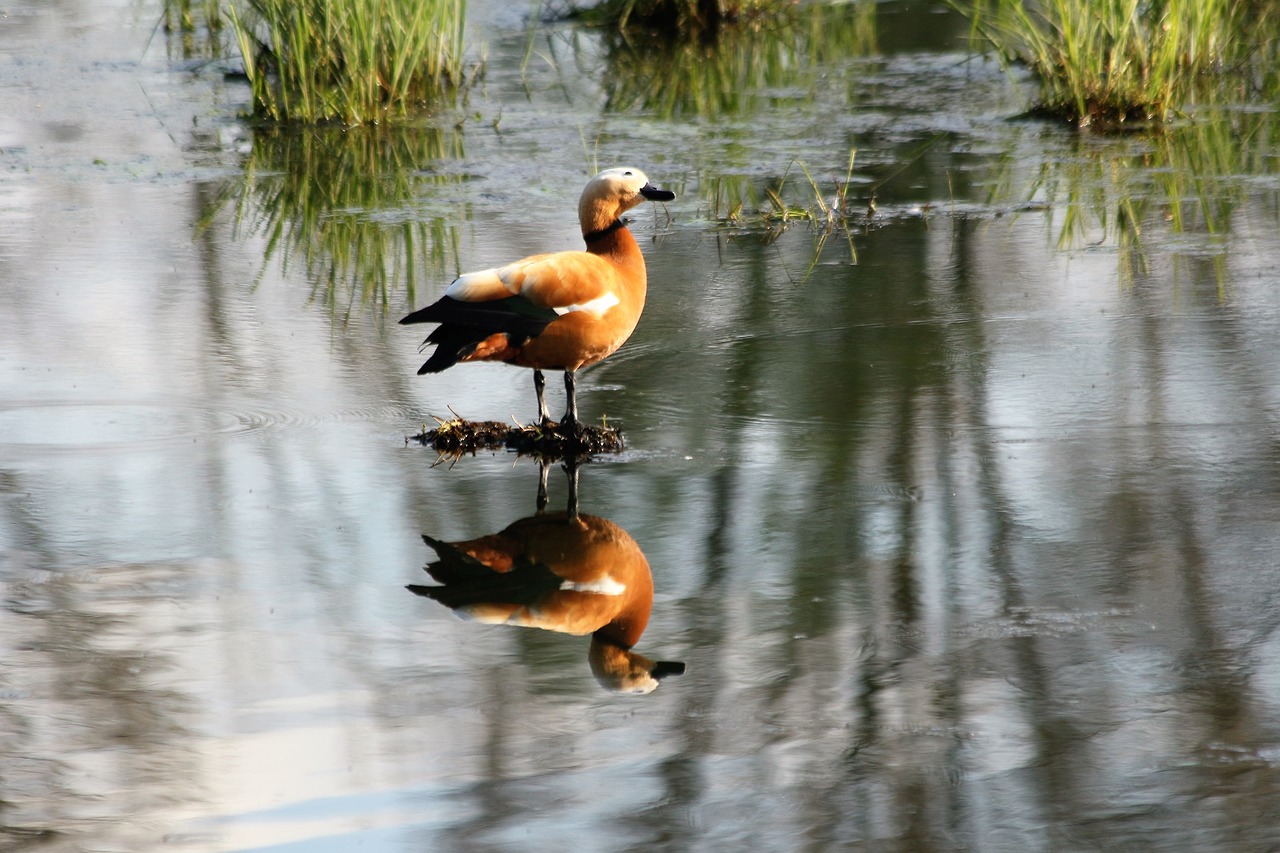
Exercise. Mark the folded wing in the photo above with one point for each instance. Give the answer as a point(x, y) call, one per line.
point(518, 300)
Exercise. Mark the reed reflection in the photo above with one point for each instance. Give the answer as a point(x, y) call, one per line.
point(348, 203)
point(1180, 191)
point(737, 69)
point(567, 572)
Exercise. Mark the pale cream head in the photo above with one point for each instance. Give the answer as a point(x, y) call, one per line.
point(612, 193)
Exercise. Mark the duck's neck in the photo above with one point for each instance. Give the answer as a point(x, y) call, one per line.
point(625, 630)
point(601, 233)
point(614, 240)
point(619, 248)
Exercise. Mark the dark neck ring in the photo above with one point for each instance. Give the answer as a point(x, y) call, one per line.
point(593, 236)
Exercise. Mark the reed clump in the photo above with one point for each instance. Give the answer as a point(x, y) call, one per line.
point(734, 204)
point(349, 61)
point(1110, 62)
point(734, 201)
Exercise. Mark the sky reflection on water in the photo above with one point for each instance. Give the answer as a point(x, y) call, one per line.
point(970, 545)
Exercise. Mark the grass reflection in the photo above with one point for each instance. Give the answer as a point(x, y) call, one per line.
point(348, 204)
point(738, 68)
point(196, 24)
point(681, 16)
point(1188, 181)
point(750, 70)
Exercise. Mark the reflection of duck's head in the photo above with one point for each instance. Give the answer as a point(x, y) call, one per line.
point(624, 671)
point(575, 575)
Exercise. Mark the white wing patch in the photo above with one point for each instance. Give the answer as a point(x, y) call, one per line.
point(604, 586)
point(482, 286)
point(597, 306)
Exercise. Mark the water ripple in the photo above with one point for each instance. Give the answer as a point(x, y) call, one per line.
point(79, 425)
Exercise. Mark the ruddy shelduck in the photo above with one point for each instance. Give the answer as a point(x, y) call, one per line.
point(557, 311)
point(566, 572)
point(582, 575)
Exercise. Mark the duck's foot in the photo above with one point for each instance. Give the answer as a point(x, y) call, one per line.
point(565, 439)
point(572, 428)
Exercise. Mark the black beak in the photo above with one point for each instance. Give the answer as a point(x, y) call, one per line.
point(663, 668)
point(652, 193)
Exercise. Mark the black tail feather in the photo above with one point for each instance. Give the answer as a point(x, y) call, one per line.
point(464, 580)
point(463, 325)
point(453, 344)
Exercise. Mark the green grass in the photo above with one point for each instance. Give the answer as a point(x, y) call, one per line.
point(349, 61)
point(734, 203)
point(1110, 62)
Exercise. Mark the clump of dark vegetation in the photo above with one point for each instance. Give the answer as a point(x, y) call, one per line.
point(687, 19)
point(457, 436)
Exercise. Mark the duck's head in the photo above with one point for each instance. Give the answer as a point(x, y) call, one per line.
point(621, 670)
point(612, 193)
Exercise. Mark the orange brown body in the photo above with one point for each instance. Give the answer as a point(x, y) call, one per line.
point(557, 311)
point(574, 574)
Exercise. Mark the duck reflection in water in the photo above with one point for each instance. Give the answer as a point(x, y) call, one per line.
point(560, 571)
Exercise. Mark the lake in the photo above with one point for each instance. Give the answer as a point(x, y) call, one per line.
point(963, 517)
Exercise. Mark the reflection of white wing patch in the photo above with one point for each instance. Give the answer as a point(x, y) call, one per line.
point(487, 614)
point(596, 306)
point(605, 586)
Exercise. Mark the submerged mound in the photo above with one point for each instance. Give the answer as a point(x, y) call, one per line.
point(551, 440)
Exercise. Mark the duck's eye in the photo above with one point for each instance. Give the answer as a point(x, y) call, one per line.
point(627, 173)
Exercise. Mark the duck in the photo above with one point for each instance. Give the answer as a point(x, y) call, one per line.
point(554, 311)
point(578, 576)
point(567, 572)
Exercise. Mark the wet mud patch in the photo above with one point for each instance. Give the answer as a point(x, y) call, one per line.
point(552, 440)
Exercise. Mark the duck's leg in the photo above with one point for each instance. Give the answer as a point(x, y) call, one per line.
point(571, 471)
point(540, 386)
point(543, 468)
point(571, 410)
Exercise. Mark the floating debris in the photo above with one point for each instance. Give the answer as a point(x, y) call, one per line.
point(549, 440)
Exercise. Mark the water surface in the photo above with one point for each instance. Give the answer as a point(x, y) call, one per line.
point(968, 544)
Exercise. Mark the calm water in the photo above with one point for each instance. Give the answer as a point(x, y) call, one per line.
point(969, 545)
